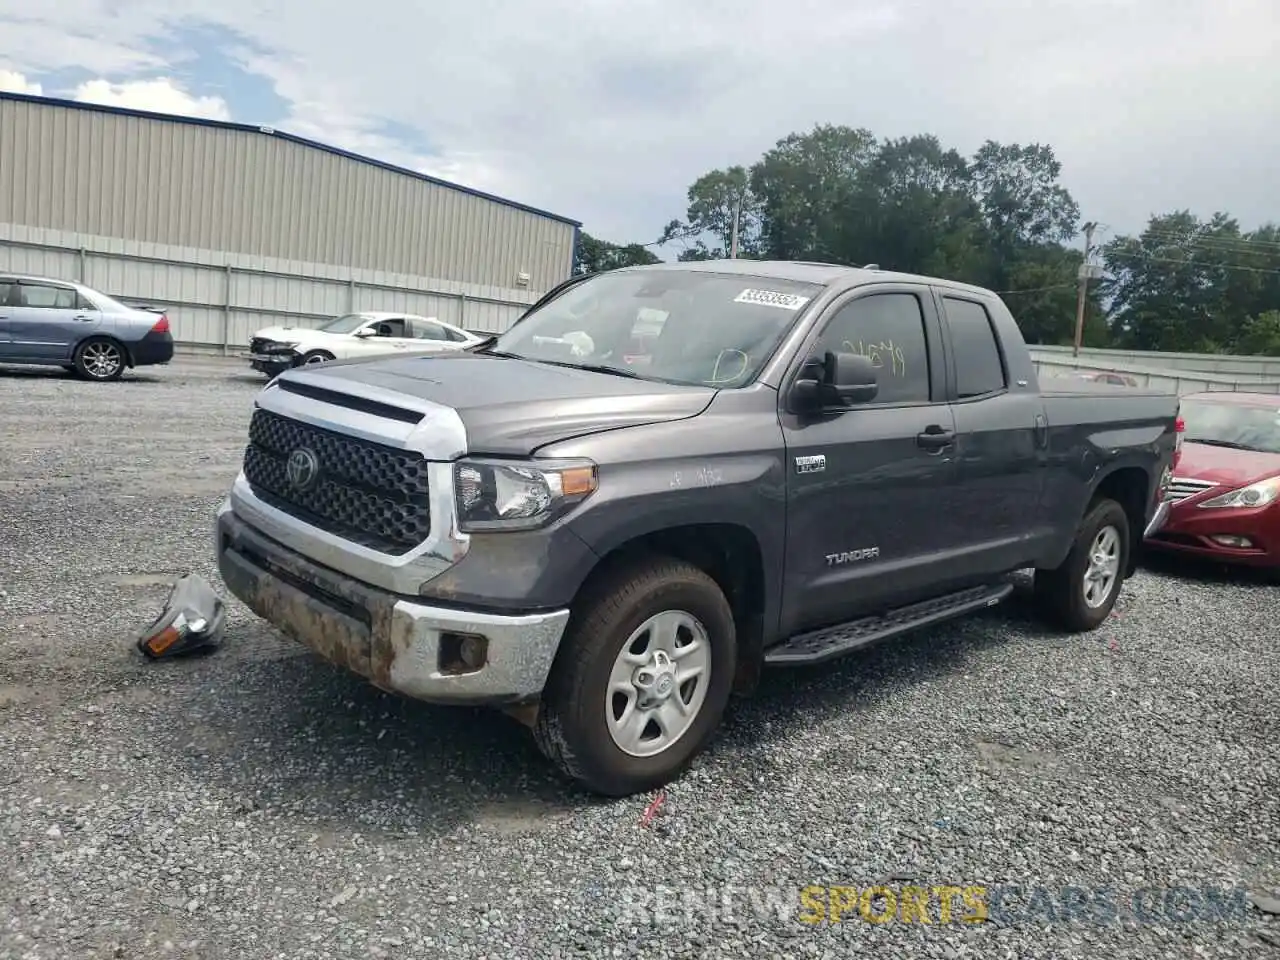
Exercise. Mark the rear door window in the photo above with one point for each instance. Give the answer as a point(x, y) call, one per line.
point(46, 296)
point(979, 364)
point(426, 330)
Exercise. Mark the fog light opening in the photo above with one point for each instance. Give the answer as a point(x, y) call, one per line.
point(1232, 540)
point(462, 653)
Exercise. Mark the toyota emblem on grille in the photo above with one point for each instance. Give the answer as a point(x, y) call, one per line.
point(302, 468)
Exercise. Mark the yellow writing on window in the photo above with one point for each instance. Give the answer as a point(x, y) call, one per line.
point(884, 353)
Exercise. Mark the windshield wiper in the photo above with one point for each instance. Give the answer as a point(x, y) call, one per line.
point(1229, 444)
point(593, 368)
point(601, 368)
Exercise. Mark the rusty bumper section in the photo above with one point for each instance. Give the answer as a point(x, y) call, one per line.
point(397, 644)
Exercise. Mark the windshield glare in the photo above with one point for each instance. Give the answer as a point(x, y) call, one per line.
point(1254, 428)
point(679, 327)
point(345, 324)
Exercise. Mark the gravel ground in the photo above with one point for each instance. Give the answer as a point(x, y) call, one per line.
point(257, 803)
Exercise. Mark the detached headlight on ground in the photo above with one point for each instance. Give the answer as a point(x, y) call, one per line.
point(1255, 495)
point(518, 495)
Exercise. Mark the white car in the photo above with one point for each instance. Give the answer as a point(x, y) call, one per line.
point(273, 350)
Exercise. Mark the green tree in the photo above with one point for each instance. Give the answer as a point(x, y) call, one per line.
point(836, 194)
point(807, 187)
point(714, 200)
point(914, 212)
point(1042, 295)
point(1023, 203)
point(1261, 335)
point(594, 255)
point(1193, 285)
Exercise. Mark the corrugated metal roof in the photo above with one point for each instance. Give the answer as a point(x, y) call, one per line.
point(284, 135)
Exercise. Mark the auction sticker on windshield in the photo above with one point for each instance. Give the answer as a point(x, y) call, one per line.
point(769, 298)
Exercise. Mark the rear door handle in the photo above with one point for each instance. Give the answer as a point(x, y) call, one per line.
point(935, 438)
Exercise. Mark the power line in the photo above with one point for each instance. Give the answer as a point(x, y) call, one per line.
point(1237, 243)
point(1120, 257)
point(1056, 286)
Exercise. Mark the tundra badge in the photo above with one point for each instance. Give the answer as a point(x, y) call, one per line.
point(815, 464)
point(852, 556)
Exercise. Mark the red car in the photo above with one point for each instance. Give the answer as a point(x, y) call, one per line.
point(1226, 487)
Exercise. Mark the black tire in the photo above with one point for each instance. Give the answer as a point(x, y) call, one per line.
point(315, 356)
point(571, 728)
point(1060, 593)
point(100, 359)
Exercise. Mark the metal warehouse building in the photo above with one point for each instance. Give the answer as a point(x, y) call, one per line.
point(231, 227)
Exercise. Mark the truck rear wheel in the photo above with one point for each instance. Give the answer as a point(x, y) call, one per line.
point(643, 678)
point(1080, 594)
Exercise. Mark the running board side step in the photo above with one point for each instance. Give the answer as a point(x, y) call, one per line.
point(830, 642)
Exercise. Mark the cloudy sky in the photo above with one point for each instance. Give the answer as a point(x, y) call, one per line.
point(605, 111)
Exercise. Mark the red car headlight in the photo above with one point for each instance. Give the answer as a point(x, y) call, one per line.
point(1255, 495)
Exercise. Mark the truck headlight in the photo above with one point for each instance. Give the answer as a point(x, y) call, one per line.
point(518, 495)
point(1255, 495)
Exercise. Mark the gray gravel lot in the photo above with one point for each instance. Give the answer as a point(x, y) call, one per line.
point(257, 803)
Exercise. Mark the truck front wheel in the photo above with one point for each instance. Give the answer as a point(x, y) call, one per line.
point(642, 680)
point(1080, 594)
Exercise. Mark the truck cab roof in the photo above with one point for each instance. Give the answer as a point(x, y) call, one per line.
point(804, 271)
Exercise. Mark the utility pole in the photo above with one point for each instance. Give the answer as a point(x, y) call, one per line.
point(737, 216)
point(1084, 286)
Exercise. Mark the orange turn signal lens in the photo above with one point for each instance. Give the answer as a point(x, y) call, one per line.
point(163, 640)
point(578, 481)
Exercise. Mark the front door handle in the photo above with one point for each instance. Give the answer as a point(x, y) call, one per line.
point(81, 317)
point(935, 438)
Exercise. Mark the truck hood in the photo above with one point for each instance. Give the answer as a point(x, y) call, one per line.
point(1223, 465)
point(512, 407)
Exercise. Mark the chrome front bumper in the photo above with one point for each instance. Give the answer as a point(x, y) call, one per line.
point(397, 644)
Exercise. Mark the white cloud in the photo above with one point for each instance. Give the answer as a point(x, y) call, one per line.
point(13, 82)
point(318, 110)
point(160, 95)
point(608, 112)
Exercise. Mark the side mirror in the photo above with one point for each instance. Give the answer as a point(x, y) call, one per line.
point(838, 379)
point(366, 332)
point(851, 377)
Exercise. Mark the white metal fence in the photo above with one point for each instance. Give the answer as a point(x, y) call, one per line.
point(1234, 366)
point(1163, 379)
point(216, 300)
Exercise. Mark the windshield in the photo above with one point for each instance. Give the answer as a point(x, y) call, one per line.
point(1232, 425)
point(675, 326)
point(346, 324)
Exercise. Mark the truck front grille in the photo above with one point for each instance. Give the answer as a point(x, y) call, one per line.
point(365, 492)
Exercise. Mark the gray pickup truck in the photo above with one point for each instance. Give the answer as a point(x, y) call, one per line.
point(610, 518)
